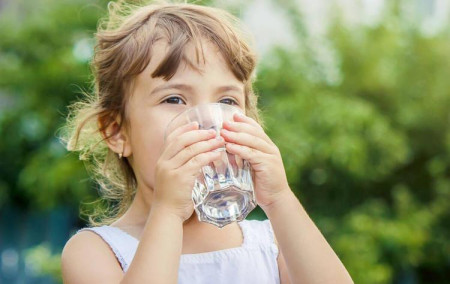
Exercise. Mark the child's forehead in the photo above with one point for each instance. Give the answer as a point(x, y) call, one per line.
point(195, 56)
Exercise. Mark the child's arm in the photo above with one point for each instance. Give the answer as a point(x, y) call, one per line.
point(88, 259)
point(157, 258)
point(163, 237)
point(308, 256)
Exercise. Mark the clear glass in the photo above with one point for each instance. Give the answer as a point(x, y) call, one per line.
point(223, 190)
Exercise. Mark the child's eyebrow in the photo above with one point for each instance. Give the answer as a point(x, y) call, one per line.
point(229, 88)
point(183, 87)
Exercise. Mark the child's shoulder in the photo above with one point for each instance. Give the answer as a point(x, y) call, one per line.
point(84, 249)
point(83, 240)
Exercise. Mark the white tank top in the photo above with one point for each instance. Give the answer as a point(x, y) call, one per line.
point(255, 261)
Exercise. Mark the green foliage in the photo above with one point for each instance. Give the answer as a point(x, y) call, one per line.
point(43, 262)
point(44, 55)
point(361, 116)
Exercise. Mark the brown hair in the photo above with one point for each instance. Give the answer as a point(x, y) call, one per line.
point(123, 50)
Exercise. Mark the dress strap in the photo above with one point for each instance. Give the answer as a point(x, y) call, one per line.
point(257, 232)
point(122, 244)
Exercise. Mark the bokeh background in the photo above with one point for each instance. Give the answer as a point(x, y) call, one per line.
point(356, 94)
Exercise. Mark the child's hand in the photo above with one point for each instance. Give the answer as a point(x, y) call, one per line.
point(185, 152)
point(246, 138)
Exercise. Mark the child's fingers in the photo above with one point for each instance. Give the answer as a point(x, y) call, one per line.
point(254, 157)
point(199, 161)
point(185, 140)
point(245, 139)
point(196, 149)
point(247, 128)
point(239, 117)
point(180, 130)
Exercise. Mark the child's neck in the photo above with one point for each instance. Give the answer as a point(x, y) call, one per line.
point(135, 217)
point(134, 220)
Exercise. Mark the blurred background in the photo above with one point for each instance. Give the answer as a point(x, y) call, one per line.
point(356, 94)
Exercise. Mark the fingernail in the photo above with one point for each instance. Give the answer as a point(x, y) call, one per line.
point(211, 131)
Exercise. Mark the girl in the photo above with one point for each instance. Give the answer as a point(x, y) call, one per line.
point(150, 64)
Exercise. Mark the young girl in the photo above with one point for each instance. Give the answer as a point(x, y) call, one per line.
point(150, 64)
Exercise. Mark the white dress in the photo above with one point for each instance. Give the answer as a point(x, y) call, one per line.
point(255, 261)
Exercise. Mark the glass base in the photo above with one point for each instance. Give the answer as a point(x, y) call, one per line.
point(223, 207)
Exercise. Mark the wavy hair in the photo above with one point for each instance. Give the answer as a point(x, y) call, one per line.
point(123, 49)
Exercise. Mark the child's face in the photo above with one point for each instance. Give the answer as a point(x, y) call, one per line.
point(154, 102)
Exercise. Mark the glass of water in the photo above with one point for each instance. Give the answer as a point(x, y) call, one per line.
point(223, 190)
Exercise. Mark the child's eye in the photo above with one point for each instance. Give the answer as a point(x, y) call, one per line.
point(174, 100)
point(229, 101)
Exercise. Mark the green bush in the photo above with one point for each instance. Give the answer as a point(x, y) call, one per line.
point(361, 116)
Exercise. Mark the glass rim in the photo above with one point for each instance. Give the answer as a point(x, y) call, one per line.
point(184, 112)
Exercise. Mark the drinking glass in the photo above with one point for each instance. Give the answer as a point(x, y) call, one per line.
point(223, 190)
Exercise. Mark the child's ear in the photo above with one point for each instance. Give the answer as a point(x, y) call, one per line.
point(117, 139)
